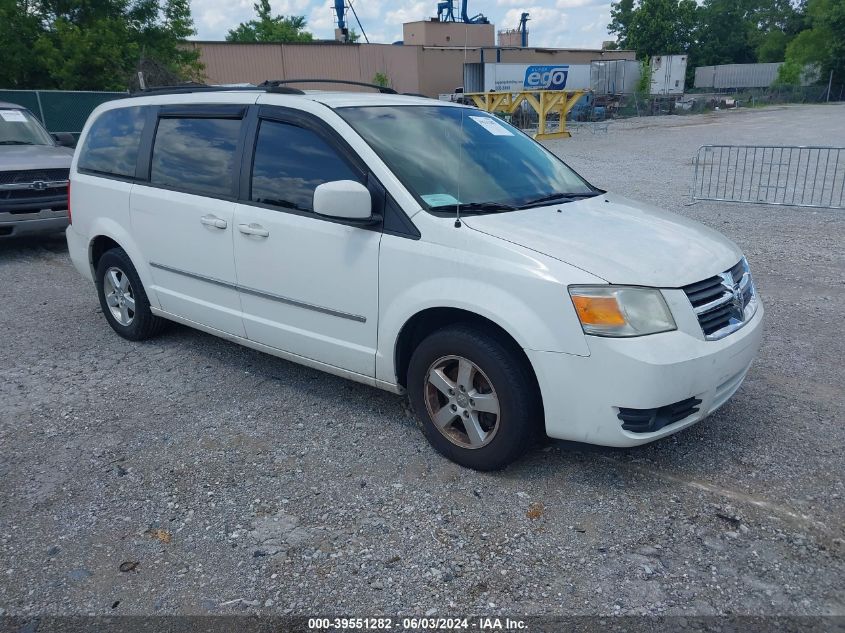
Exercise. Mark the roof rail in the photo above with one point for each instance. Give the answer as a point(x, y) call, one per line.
point(275, 84)
point(192, 87)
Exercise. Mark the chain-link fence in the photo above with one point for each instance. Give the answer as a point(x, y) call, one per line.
point(599, 107)
point(60, 110)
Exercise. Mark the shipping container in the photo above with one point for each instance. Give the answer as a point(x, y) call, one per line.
point(519, 77)
point(733, 76)
point(614, 77)
point(668, 73)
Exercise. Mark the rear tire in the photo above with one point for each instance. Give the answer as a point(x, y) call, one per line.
point(123, 298)
point(474, 396)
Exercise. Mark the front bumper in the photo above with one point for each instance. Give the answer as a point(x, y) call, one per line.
point(582, 394)
point(37, 223)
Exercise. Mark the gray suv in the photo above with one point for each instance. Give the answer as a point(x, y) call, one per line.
point(34, 168)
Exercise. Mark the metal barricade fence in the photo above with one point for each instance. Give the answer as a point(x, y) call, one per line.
point(800, 176)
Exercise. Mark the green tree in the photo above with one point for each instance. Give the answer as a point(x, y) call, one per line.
point(621, 18)
point(269, 28)
point(744, 31)
point(654, 27)
point(19, 28)
point(381, 79)
point(96, 44)
point(822, 44)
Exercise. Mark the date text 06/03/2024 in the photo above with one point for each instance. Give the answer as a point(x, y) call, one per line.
point(418, 624)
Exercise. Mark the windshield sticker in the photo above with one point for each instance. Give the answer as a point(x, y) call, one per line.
point(13, 116)
point(491, 125)
point(439, 199)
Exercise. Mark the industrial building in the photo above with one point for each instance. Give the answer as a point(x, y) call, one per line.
point(430, 60)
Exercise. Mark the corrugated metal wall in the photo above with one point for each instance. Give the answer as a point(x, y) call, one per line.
point(736, 75)
point(728, 76)
point(417, 69)
point(614, 77)
point(253, 63)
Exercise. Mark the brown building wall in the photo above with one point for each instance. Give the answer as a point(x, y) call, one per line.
point(416, 69)
point(253, 63)
point(435, 33)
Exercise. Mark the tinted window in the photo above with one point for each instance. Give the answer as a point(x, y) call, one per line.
point(290, 162)
point(111, 146)
point(196, 155)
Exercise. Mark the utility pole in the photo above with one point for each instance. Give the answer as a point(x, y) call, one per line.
point(829, 84)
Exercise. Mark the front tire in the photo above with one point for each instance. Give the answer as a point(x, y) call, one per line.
point(123, 298)
point(475, 397)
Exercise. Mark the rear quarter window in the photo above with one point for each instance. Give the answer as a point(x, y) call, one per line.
point(111, 146)
point(195, 155)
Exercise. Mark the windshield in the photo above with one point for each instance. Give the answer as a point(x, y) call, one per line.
point(19, 127)
point(447, 155)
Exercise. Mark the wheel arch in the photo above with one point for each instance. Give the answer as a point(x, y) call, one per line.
point(98, 247)
point(429, 320)
point(108, 234)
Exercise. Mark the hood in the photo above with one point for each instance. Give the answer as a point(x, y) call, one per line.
point(20, 157)
point(617, 239)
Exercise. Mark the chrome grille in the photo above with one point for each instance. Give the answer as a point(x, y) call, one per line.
point(33, 175)
point(725, 302)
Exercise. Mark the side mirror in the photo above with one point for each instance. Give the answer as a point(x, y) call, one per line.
point(65, 139)
point(344, 199)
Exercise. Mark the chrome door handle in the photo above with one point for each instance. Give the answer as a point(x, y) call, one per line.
point(213, 220)
point(253, 229)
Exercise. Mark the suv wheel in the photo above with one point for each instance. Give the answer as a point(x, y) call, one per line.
point(123, 299)
point(475, 398)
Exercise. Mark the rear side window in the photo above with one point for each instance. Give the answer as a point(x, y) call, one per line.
point(290, 162)
point(196, 155)
point(111, 146)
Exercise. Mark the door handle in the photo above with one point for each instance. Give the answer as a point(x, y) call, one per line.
point(214, 221)
point(253, 229)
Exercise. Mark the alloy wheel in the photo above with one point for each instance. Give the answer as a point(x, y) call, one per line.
point(119, 295)
point(462, 402)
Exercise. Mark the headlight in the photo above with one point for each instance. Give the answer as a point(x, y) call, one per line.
point(621, 310)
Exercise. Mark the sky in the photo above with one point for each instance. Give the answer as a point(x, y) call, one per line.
point(552, 23)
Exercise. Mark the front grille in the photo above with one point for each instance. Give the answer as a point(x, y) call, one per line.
point(25, 191)
point(32, 175)
point(651, 420)
point(31, 194)
point(725, 302)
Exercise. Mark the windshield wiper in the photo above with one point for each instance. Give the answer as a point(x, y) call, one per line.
point(563, 197)
point(16, 143)
point(475, 206)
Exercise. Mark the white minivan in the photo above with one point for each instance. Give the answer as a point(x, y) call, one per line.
point(416, 246)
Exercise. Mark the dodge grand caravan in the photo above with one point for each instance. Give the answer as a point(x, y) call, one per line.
point(416, 246)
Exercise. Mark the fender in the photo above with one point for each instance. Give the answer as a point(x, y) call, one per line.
point(516, 290)
point(109, 227)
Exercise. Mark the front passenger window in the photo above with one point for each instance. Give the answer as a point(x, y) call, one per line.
point(290, 162)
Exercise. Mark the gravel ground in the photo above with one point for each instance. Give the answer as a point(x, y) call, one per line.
point(188, 475)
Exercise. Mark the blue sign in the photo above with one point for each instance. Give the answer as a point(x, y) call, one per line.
point(546, 77)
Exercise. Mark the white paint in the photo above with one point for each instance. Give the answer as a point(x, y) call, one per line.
point(511, 268)
point(519, 77)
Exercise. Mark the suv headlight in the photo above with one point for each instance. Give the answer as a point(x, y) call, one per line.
point(621, 310)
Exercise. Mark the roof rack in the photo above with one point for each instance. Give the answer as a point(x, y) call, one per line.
point(275, 85)
point(278, 86)
point(189, 88)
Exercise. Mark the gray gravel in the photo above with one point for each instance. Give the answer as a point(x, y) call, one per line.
point(222, 480)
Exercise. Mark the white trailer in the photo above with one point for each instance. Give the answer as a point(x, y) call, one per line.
point(668, 73)
point(519, 77)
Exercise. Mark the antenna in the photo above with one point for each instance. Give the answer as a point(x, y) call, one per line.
point(461, 139)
